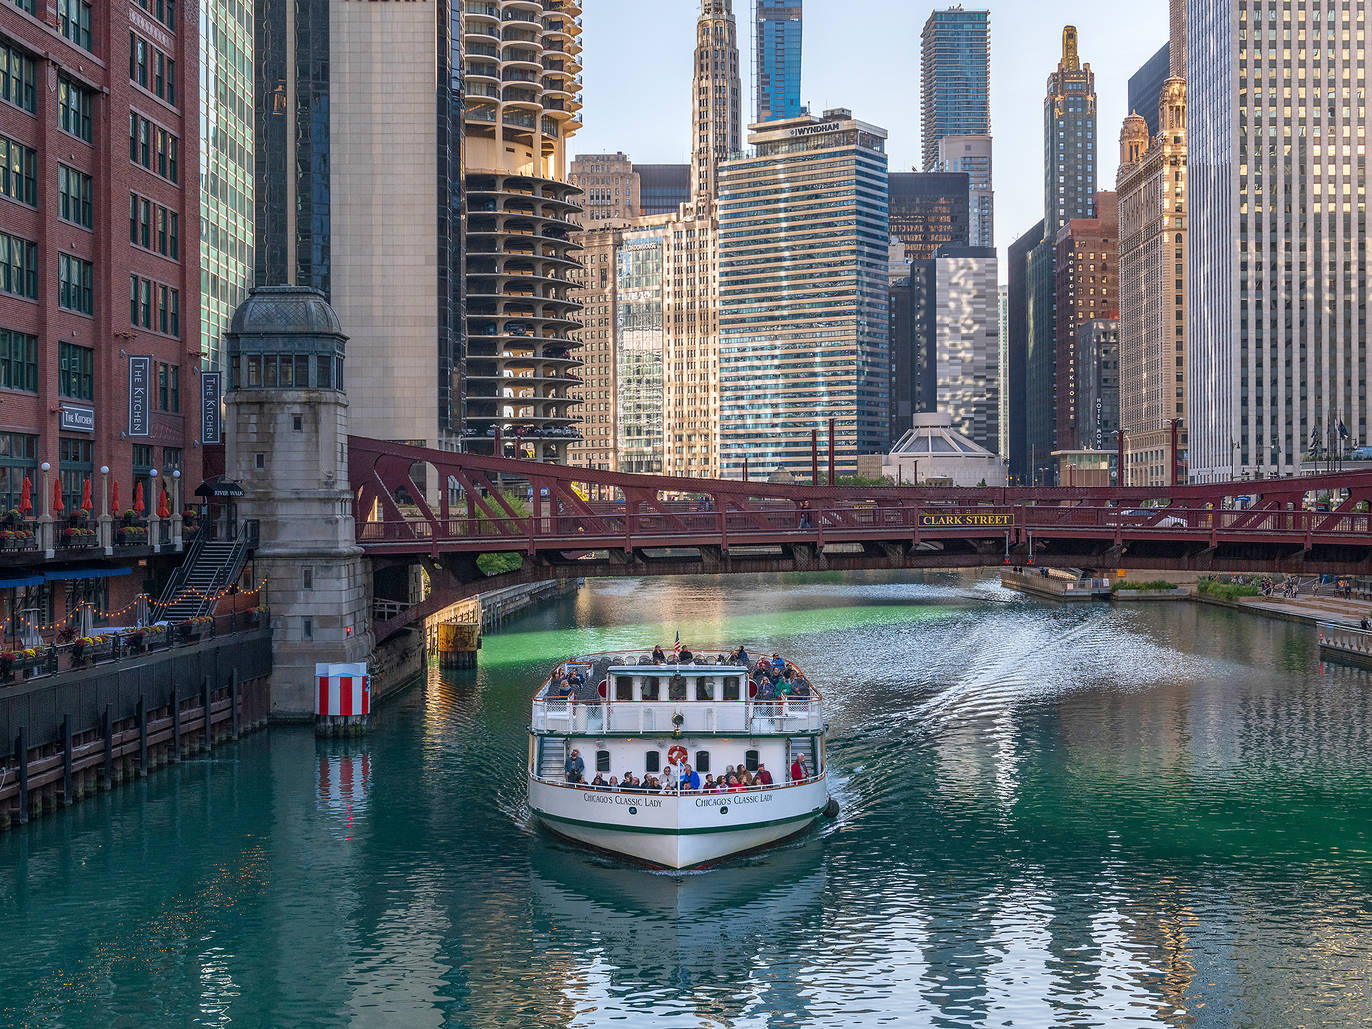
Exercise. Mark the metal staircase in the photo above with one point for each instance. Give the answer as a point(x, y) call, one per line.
point(553, 763)
point(210, 567)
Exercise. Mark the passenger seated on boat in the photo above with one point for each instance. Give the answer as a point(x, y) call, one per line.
point(709, 786)
point(765, 689)
point(599, 780)
point(739, 656)
point(690, 781)
point(801, 686)
point(686, 657)
point(659, 657)
point(669, 777)
point(628, 782)
point(764, 777)
point(563, 689)
point(734, 785)
point(614, 784)
point(576, 678)
point(778, 663)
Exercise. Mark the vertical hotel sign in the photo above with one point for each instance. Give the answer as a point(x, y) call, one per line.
point(211, 423)
point(140, 396)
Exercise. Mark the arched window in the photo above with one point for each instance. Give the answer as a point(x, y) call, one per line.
point(750, 760)
point(602, 760)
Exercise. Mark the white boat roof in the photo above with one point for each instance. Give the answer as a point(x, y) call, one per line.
point(684, 670)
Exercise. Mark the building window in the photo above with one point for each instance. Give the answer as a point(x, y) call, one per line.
point(168, 388)
point(17, 78)
point(73, 108)
point(154, 306)
point(151, 69)
point(74, 19)
point(18, 172)
point(76, 284)
point(307, 578)
point(163, 10)
point(153, 148)
point(76, 371)
point(18, 361)
point(307, 628)
point(143, 460)
point(171, 459)
point(18, 267)
point(27, 6)
point(74, 469)
point(18, 460)
point(74, 195)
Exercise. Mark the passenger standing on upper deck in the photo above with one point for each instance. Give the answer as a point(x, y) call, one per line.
point(575, 767)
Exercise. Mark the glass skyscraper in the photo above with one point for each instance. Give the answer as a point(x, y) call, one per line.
point(778, 35)
point(955, 78)
point(639, 349)
point(803, 315)
point(226, 167)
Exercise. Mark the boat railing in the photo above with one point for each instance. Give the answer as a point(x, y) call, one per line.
point(762, 717)
point(690, 793)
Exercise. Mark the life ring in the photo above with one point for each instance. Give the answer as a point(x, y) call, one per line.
point(604, 689)
point(677, 755)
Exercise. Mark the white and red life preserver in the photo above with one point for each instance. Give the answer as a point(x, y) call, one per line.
point(604, 689)
point(677, 755)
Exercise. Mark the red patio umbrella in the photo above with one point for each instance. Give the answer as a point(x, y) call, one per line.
point(114, 498)
point(138, 498)
point(57, 504)
point(163, 508)
point(26, 496)
point(86, 504)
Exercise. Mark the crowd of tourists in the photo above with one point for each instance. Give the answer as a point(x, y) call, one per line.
point(682, 778)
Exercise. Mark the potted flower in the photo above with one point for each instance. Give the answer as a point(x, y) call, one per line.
point(78, 537)
point(137, 640)
point(132, 535)
point(26, 659)
point(8, 659)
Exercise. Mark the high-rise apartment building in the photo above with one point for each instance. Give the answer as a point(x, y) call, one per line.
point(777, 43)
point(803, 294)
point(342, 90)
point(955, 78)
point(967, 342)
point(928, 210)
point(1152, 191)
point(1145, 86)
point(597, 386)
point(1086, 264)
point(972, 155)
point(609, 187)
point(521, 75)
point(639, 349)
point(1003, 369)
point(716, 95)
point(227, 171)
point(910, 343)
point(100, 346)
point(1277, 322)
point(1069, 191)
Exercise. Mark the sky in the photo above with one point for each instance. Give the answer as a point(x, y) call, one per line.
point(864, 55)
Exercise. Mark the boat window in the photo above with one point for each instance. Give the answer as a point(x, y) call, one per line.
point(731, 688)
point(705, 689)
point(624, 687)
point(602, 760)
point(649, 688)
point(750, 760)
point(702, 761)
point(653, 761)
point(676, 687)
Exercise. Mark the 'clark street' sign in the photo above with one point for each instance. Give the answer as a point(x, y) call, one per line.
point(966, 521)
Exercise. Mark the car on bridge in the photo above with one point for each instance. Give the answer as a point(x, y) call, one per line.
point(1151, 519)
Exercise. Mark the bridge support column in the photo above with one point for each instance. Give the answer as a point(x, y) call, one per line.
point(287, 446)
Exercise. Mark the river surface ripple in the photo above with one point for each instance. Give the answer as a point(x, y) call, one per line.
point(1147, 815)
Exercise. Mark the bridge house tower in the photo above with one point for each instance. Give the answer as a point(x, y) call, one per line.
point(287, 446)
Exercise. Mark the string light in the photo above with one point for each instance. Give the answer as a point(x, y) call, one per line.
point(83, 605)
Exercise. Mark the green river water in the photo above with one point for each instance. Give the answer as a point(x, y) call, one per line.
point(1142, 815)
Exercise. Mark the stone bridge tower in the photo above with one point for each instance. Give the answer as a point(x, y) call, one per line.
point(287, 446)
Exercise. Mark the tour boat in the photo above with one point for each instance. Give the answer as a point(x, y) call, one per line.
point(630, 714)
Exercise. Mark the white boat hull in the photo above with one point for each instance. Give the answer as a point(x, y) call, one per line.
point(678, 831)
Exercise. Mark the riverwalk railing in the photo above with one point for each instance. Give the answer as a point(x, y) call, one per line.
point(1348, 638)
point(763, 717)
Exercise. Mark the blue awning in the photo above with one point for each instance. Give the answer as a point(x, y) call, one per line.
point(85, 573)
point(25, 580)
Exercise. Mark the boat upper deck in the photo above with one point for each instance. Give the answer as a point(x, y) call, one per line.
point(712, 692)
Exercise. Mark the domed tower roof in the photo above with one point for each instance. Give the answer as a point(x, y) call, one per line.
point(285, 311)
point(1133, 138)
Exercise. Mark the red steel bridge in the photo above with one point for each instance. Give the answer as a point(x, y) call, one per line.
point(582, 522)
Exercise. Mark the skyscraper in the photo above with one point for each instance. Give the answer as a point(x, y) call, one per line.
point(662, 188)
point(803, 321)
point(1152, 190)
point(523, 103)
point(1023, 458)
point(1003, 369)
point(777, 41)
point(955, 78)
point(227, 170)
point(928, 210)
point(1086, 268)
point(967, 342)
point(716, 95)
point(341, 89)
point(1145, 86)
point(972, 155)
point(609, 187)
point(1277, 322)
point(1069, 191)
